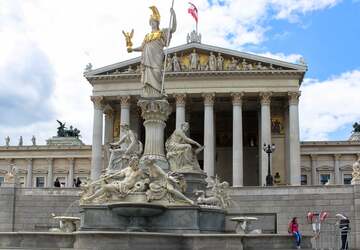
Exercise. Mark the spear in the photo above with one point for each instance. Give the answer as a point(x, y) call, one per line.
point(166, 45)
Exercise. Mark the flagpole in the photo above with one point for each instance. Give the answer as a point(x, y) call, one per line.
point(166, 54)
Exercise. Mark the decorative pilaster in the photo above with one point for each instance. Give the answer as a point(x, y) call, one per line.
point(294, 138)
point(71, 172)
point(337, 158)
point(155, 112)
point(50, 178)
point(209, 138)
point(96, 161)
point(313, 170)
point(265, 134)
point(238, 179)
point(180, 109)
point(29, 177)
point(125, 110)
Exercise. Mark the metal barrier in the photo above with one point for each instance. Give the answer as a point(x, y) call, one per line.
point(332, 236)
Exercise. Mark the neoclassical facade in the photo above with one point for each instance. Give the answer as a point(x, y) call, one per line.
point(235, 103)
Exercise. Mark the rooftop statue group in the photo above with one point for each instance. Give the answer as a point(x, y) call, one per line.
point(62, 131)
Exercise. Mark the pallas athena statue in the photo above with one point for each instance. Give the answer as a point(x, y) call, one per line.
point(152, 57)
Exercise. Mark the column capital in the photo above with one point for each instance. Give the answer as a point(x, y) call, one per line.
point(358, 156)
point(71, 160)
point(124, 100)
point(337, 157)
point(180, 99)
point(29, 160)
point(10, 161)
point(98, 101)
point(265, 98)
point(209, 98)
point(50, 160)
point(237, 98)
point(294, 97)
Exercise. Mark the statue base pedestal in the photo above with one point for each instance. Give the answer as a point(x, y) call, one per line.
point(166, 219)
point(64, 141)
point(195, 181)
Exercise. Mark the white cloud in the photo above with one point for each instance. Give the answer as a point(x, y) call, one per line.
point(327, 106)
point(72, 33)
point(292, 58)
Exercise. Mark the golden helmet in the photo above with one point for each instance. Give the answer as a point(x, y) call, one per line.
point(155, 14)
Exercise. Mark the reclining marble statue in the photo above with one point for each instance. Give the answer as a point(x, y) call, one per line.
point(121, 151)
point(181, 154)
point(152, 57)
point(169, 185)
point(130, 175)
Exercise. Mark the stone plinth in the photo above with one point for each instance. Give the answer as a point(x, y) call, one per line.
point(64, 141)
point(155, 112)
point(355, 136)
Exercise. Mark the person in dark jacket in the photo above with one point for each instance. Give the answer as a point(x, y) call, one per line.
point(344, 225)
point(57, 183)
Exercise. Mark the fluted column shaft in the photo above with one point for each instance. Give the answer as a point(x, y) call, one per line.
point(238, 179)
point(265, 100)
point(294, 138)
point(71, 172)
point(109, 125)
point(209, 140)
point(29, 177)
point(50, 172)
point(180, 109)
point(96, 154)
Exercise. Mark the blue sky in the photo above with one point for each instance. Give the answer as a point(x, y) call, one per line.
point(45, 47)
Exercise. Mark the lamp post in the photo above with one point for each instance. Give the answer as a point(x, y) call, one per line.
point(269, 149)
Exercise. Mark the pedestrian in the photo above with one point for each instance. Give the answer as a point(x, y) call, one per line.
point(78, 182)
point(344, 225)
point(294, 230)
point(57, 183)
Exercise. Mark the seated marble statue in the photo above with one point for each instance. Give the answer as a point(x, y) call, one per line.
point(121, 151)
point(120, 188)
point(169, 186)
point(180, 152)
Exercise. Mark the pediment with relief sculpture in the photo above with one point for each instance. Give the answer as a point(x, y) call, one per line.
point(196, 58)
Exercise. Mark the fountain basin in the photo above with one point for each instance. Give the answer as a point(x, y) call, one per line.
point(136, 209)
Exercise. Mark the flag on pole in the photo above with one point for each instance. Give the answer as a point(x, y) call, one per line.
point(193, 11)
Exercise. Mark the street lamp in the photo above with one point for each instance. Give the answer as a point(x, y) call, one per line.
point(269, 149)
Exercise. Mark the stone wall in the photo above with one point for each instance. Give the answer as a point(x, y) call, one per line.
point(274, 206)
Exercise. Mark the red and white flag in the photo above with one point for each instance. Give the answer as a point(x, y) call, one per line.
point(193, 11)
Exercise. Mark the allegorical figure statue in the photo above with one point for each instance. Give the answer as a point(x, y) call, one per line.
point(212, 61)
point(152, 57)
point(180, 152)
point(121, 188)
point(121, 151)
point(194, 59)
point(7, 141)
point(165, 185)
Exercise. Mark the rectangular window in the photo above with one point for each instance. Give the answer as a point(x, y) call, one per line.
point(40, 181)
point(1, 180)
point(347, 179)
point(324, 178)
point(304, 179)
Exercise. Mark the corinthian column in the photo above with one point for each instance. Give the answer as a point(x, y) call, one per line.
point(209, 140)
point(265, 133)
point(125, 110)
point(180, 109)
point(96, 154)
point(294, 138)
point(109, 124)
point(237, 140)
point(313, 170)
